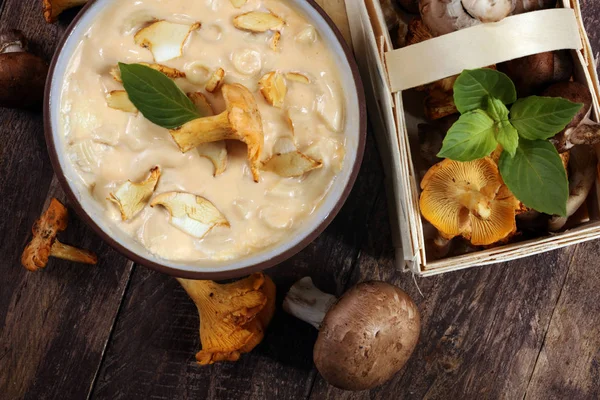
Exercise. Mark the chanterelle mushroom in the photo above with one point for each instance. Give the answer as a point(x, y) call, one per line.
point(45, 244)
point(469, 199)
point(233, 316)
point(240, 121)
point(53, 8)
point(365, 336)
point(22, 74)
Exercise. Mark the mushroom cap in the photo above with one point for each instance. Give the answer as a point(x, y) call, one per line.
point(469, 199)
point(367, 336)
point(533, 73)
point(245, 119)
point(22, 79)
point(446, 16)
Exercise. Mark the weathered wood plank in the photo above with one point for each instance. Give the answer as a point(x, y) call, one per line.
point(569, 363)
point(53, 324)
point(156, 337)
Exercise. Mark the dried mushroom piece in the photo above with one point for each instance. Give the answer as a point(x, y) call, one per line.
point(297, 77)
point(53, 8)
point(216, 80)
point(275, 41)
point(216, 152)
point(119, 100)
point(273, 88)
point(201, 103)
point(233, 316)
point(45, 244)
point(292, 164)
point(257, 21)
point(469, 199)
point(172, 73)
point(240, 121)
point(131, 198)
point(192, 214)
point(165, 39)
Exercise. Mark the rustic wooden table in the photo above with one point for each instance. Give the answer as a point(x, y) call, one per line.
point(529, 328)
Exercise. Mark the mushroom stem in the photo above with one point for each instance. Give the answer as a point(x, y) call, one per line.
point(583, 173)
point(203, 130)
point(304, 301)
point(70, 253)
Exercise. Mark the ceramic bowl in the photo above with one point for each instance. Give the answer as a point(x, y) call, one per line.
point(90, 211)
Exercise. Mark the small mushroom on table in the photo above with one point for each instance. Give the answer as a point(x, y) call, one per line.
point(22, 74)
point(45, 243)
point(53, 8)
point(365, 336)
point(233, 316)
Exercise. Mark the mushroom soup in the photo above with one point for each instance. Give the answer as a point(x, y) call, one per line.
point(259, 151)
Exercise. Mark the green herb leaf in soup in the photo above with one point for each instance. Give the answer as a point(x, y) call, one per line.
point(473, 87)
point(470, 138)
point(536, 176)
point(542, 117)
point(157, 97)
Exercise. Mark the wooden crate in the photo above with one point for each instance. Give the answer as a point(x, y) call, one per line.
point(388, 73)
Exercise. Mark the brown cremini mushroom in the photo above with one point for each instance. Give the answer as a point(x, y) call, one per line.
point(532, 74)
point(22, 74)
point(53, 8)
point(469, 199)
point(365, 336)
point(240, 121)
point(233, 316)
point(45, 244)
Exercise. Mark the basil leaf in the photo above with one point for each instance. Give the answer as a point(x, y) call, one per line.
point(542, 117)
point(507, 136)
point(470, 138)
point(496, 109)
point(472, 87)
point(156, 96)
point(536, 176)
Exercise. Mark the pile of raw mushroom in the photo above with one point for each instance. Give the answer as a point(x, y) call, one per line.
point(546, 74)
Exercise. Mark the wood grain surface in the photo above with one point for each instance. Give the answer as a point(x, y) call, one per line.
point(526, 329)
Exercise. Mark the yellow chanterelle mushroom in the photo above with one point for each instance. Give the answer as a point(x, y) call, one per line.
point(233, 316)
point(469, 199)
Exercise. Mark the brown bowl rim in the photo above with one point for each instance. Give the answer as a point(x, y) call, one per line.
point(208, 275)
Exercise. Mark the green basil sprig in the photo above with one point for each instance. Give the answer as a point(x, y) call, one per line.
point(529, 164)
point(157, 96)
